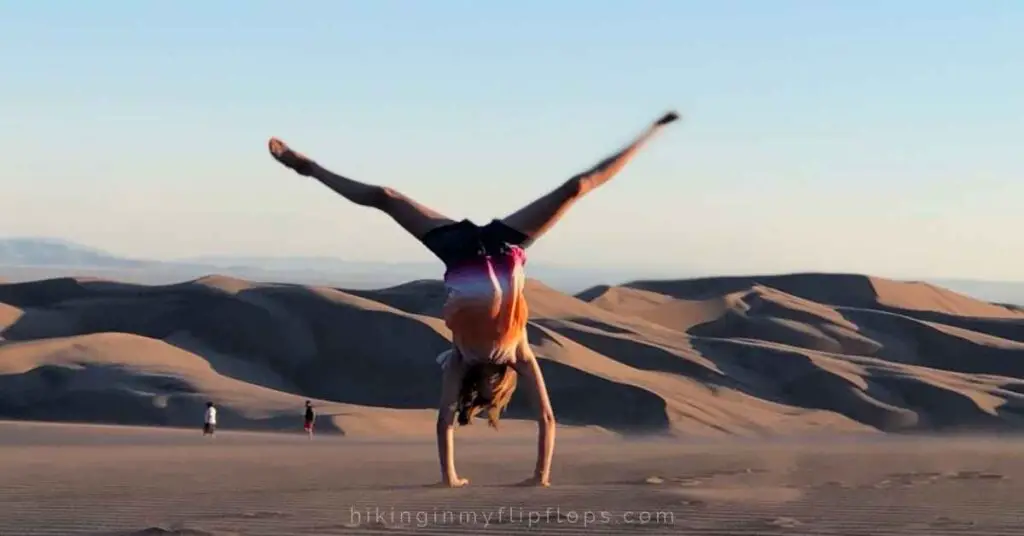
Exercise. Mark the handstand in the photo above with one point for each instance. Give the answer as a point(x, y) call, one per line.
point(485, 310)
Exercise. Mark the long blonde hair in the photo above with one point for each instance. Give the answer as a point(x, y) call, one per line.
point(479, 380)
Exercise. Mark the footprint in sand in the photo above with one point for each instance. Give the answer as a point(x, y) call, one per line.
point(948, 522)
point(743, 471)
point(700, 478)
point(974, 475)
point(912, 479)
point(785, 522)
point(744, 494)
point(259, 514)
point(836, 484)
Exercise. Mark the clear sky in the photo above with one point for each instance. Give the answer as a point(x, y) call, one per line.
point(868, 136)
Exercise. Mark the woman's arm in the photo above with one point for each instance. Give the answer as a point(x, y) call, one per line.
point(450, 383)
point(528, 368)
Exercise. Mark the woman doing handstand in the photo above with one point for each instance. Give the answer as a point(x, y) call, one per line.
point(485, 310)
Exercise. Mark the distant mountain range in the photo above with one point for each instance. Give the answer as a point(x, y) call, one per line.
point(55, 252)
point(23, 259)
point(1003, 292)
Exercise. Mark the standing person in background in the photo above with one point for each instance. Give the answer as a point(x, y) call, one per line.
point(310, 417)
point(210, 419)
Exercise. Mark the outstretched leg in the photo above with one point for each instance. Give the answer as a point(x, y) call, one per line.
point(535, 219)
point(415, 218)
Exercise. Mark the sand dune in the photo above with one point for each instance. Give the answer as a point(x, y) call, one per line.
point(788, 354)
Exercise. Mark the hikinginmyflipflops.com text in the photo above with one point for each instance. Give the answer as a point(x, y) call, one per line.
point(506, 515)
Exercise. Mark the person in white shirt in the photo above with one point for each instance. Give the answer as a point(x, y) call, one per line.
point(210, 419)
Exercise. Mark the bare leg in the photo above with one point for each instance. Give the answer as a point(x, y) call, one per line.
point(537, 218)
point(415, 218)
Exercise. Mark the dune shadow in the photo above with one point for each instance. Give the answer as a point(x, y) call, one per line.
point(364, 356)
point(215, 323)
point(582, 398)
point(321, 348)
point(325, 347)
point(828, 289)
point(421, 297)
point(842, 291)
point(784, 377)
point(791, 378)
point(590, 323)
point(636, 353)
point(47, 292)
point(941, 409)
point(890, 401)
point(902, 337)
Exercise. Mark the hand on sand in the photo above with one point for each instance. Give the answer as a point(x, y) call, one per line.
point(535, 482)
point(294, 161)
point(453, 483)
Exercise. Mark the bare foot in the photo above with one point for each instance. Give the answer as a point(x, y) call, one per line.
point(457, 483)
point(669, 117)
point(294, 161)
point(535, 482)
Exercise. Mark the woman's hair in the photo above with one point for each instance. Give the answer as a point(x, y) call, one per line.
point(486, 386)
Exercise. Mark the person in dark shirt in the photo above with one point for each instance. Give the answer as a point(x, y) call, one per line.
point(310, 417)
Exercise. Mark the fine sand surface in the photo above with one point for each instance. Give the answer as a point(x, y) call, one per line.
point(64, 479)
point(754, 356)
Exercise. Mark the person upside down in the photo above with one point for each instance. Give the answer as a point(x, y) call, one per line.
point(486, 309)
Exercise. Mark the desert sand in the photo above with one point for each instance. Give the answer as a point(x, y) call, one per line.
point(96, 480)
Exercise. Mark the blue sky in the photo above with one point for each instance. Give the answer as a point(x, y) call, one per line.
point(866, 136)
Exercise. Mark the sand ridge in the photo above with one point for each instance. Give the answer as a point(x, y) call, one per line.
point(759, 355)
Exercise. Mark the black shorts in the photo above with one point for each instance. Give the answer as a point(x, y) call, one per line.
point(465, 240)
point(209, 428)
